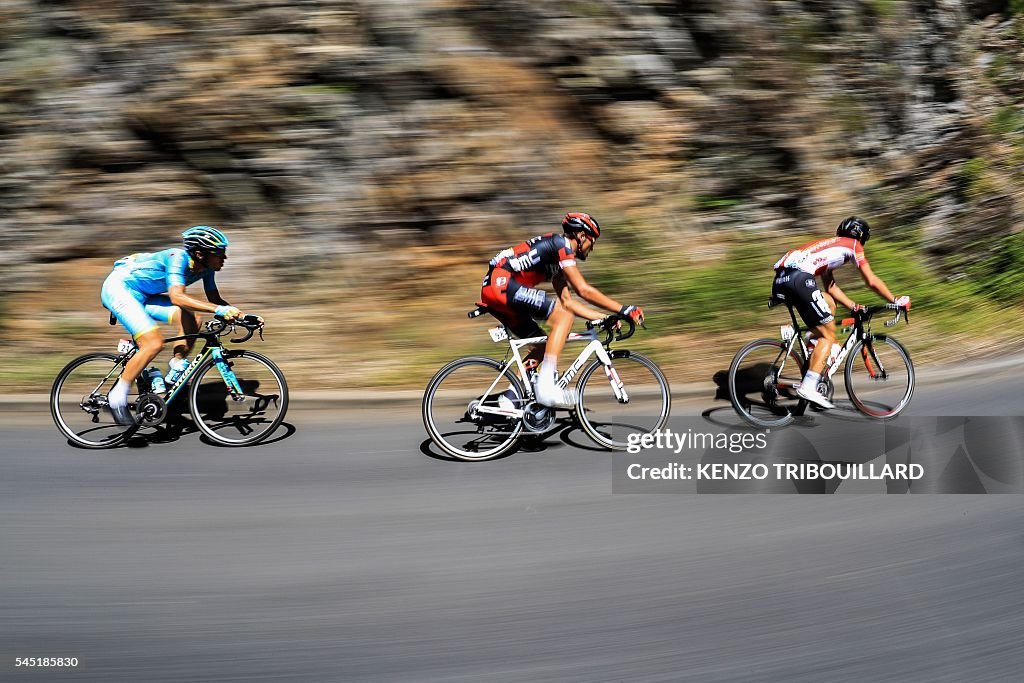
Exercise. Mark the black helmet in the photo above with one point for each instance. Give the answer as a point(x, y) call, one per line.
point(854, 227)
point(204, 238)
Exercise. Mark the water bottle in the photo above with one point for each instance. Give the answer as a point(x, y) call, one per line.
point(175, 369)
point(156, 381)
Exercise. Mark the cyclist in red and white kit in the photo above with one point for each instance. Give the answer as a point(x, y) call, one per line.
point(510, 294)
point(795, 285)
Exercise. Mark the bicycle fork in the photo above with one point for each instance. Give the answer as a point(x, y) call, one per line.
point(618, 387)
point(234, 388)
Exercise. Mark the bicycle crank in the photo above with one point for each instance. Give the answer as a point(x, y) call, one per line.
point(827, 389)
point(538, 418)
point(150, 409)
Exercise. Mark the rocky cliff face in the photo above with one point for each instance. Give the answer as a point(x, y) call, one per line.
point(315, 129)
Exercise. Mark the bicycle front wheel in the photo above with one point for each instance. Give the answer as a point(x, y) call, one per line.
point(644, 406)
point(457, 411)
point(78, 401)
point(762, 383)
point(232, 418)
point(879, 377)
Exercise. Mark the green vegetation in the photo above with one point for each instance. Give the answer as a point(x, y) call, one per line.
point(1001, 276)
point(31, 371)
point(885, 8)
point(716, 203)
point(327, 89)
point(1007, 120)
point(731, 292)
point(973, 175)
point(588, 8)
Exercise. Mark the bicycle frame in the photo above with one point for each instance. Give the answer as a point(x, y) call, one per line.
point(593, 348)
point(856, 333)
point(213, 348)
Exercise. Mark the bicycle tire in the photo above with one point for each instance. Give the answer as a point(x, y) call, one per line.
point(784, 412)
point(434, 424)
point(596, 423)
point(860, 402)
point(215, 427)
point(64, 407)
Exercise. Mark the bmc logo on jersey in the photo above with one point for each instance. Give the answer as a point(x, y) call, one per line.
point(502, 281)
point(524, 262)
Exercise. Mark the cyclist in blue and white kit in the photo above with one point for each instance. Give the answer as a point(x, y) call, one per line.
point(146, 289)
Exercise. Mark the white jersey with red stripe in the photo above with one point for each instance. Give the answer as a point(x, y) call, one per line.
point(824, 255)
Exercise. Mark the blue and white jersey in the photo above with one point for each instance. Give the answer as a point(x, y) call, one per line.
point(156, 273)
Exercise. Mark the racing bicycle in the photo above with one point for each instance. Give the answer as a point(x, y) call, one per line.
point(236, 397)
point(477, 407)
point(879, 375)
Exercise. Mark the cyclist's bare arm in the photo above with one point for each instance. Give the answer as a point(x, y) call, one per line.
point(214, 297)
point(181, 299)
point(572, 305)
point(832, 289)
point(588, 292)
point(875, 283)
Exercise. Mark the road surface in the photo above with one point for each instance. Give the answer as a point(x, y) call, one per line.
point(342, 551)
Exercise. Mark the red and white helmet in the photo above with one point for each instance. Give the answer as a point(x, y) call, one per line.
point(581, 222)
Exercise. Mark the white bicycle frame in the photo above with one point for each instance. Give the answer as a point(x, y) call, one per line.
point(790, 337)
point(594, 348)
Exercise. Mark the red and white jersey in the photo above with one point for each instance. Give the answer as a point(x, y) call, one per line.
point(824, 255)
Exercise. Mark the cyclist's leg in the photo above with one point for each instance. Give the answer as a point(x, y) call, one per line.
point(131, 312)
point(801, 291)
point(160, 308)
point(534, 304)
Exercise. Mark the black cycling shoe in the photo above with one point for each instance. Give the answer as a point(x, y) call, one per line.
point(122, 415)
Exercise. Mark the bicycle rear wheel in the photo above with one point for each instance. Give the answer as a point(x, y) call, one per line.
point(78, 401)
point(648, 400)
point(451, 413)
point(763, 381)
point(230, 418)
point(879, 377)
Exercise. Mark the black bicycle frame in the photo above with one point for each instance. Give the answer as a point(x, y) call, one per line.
point(213, 347)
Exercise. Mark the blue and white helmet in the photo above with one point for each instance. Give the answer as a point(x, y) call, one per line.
point(205, 238)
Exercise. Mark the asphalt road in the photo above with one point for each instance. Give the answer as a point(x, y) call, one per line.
point(342, 552)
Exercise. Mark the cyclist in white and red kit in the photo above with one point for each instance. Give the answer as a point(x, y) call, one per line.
point(795, 284)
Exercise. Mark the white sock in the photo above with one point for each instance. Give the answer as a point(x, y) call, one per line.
point(548, 367)
point(810, 382)
point(118, 396)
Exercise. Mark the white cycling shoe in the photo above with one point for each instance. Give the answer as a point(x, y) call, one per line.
point(815, 398)
point(553, 396)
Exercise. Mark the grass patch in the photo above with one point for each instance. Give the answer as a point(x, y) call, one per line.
point(30, 372)
point(1001, 275)
point(973, 177)
point(715, 203)
point(963, 305)
point(1007, 121)
point(326, 89)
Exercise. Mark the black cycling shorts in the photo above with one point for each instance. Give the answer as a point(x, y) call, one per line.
point(799, 289)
